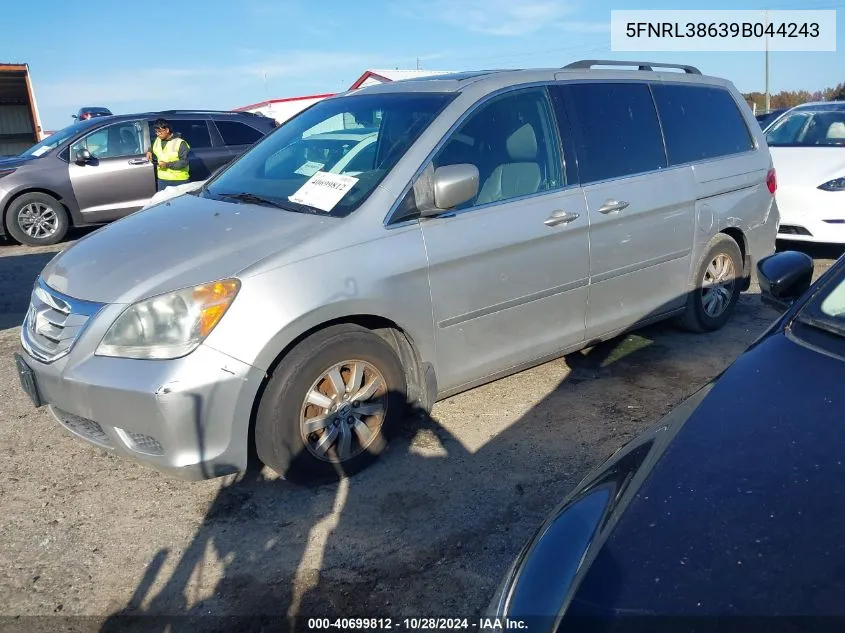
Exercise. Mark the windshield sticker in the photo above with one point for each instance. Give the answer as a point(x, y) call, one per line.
point(310, 168)
point(323, 190)
point(41, 150)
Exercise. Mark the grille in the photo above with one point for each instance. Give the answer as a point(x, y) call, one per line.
point(83, 427)
point(788, 229)
point(53, 322)
point(144, 443)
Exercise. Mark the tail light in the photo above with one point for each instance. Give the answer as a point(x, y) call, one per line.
point(772, 181)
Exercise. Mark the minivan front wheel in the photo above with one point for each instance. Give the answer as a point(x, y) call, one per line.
point(329, 407)
point(37, 219)
point(712, 299)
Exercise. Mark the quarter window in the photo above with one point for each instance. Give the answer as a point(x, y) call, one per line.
point(700, 122)
point(236, 133)
point(616, 129)
point(113, 141)
point(513, 143)
point(195, 132)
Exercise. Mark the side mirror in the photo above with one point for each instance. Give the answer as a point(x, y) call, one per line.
point(83, 156)
point(784, 277)
point(453, 185)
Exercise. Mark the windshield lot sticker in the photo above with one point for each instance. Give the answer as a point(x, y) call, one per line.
point(323, 190)
point(310, 168)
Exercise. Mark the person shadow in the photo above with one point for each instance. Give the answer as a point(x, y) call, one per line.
point(422, 532)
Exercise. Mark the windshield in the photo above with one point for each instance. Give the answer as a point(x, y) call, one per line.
point(826, 310)
point(55, 139)
point(329, 158)
point(808, 129)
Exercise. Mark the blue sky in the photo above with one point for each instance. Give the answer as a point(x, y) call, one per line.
point(214, 53)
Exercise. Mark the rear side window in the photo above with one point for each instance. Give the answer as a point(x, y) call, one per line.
point(235, 133)
point(616, 130)
point(194, 131)
point(700, 122)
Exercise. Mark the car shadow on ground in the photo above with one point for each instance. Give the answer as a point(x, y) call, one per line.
point(17, 275)
point(19, 268)
point(269, 555)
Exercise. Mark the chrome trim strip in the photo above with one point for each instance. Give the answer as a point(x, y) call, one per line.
point(512, 303)
point(62, 304)
point(76, 306)
point(649, 263)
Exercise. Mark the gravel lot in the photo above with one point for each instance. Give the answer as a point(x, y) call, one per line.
point(428, 531)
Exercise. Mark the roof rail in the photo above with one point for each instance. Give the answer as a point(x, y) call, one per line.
point(589, 63)
point(191, 111)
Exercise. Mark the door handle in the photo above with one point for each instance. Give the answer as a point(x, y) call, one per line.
point(611, 206)
point(138, 161)
point(560, 217)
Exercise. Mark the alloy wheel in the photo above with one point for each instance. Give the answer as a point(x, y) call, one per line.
point(343, 411)
point(718, 285)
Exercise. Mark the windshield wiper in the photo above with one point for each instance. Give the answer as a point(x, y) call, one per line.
point(827, 325)
point(251, 197)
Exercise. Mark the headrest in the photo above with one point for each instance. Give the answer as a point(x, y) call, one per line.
point(522, 144)
point(836, 130)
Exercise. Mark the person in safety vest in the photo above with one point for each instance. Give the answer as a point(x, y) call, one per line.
point(171, 153)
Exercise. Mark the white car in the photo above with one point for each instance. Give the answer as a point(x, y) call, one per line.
point(807, 144)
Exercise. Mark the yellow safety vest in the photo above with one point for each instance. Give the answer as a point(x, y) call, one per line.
point(169, 154)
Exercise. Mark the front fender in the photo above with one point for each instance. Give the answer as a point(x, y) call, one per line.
point(388, 279)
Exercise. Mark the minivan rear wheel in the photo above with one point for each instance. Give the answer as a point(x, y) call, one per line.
point(327, 411)
point(717, 286)
point(37, 219)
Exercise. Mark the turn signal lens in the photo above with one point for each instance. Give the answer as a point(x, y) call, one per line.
point(215, 299)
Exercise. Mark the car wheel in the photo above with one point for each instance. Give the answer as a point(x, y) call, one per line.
point(328, 408)
point(717, 286)
point(37, 219)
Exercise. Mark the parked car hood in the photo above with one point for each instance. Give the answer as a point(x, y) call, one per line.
point(739, 514)
point(808, 166)
point(186, 241)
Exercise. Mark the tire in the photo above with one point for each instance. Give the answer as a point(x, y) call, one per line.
point(46, 210)
point(705, 314)
point(282, 441)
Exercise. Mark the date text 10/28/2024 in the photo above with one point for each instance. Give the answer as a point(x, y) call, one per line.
point(416, 624)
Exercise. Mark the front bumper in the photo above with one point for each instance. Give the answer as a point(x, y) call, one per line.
point(811, 215)
point(187, 417)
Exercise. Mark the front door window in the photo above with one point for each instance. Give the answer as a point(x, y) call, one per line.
point(113, 141)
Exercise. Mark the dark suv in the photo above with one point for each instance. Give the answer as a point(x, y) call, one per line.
point(55, 184)
point(89, 112)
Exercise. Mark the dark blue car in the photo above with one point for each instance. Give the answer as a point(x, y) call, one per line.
point(729, 513)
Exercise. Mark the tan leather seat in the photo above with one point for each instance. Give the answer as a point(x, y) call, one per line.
point(836, 130)
point(519, 177)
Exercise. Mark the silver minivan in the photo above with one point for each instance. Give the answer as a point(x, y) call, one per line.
point(299, 300)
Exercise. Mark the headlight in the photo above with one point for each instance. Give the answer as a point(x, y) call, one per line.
point(169, 325)
point(7, 171)
point(837, 184)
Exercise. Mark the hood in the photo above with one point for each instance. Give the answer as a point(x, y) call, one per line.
point(732, 504)
point(178, 244)
point(808, 166)
point(742, 514)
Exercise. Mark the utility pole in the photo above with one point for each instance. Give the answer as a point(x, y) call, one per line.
point(768, 96)
point(418, 63)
